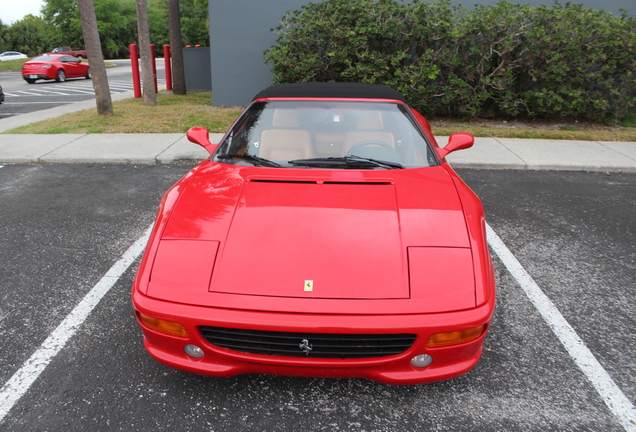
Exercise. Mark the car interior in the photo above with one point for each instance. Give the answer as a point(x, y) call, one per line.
point(284, 131)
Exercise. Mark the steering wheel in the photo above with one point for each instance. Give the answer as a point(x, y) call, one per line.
point(369, 143)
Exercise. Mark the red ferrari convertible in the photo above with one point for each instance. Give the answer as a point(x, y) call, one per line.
point(326, 236)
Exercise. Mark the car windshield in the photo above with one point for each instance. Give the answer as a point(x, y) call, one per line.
point(326, 134)
point(43, 58)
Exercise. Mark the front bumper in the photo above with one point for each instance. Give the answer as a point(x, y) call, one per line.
point(448, 362)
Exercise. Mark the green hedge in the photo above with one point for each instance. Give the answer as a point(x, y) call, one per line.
point(505, 60)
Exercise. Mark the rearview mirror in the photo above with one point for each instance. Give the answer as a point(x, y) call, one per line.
point(457, 141)
point(199, 135)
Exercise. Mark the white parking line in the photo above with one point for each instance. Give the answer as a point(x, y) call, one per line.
point(76, 89)
point(75, 85)
point(22, 380)
point(605, 386)
point(54, 92)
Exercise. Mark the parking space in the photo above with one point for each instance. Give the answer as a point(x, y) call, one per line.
point(577, 240)
point(62, 228)
point(65, 225)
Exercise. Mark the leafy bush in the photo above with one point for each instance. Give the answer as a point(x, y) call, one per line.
point(504, 60)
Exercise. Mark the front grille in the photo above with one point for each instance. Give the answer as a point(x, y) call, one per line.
point(323, 345)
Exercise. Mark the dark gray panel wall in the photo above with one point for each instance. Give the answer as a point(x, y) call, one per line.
point(240, 32)
point(196, 64)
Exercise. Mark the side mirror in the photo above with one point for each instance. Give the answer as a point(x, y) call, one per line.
point(457, 141)
point(199, 135)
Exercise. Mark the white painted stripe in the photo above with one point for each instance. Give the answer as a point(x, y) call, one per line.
point(73, 86)
point(81, 83)
point(22, 380)
point(80, 90)
point(120, 83)
point(54, 92)
point(611, 394)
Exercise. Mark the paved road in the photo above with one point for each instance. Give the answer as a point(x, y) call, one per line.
point(65, 225)
point(23, 98)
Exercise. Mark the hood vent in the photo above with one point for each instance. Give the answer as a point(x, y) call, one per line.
point(283, 181)
point(358, 182)
point(323, 182)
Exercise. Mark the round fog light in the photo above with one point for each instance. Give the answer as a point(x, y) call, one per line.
point(421, 360)
point(193, 351)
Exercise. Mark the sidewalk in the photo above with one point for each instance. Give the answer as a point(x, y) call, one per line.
point(487, 153)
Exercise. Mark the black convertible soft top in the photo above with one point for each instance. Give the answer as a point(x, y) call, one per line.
point(331, 90)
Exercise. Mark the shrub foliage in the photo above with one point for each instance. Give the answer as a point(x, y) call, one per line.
point(505, 60)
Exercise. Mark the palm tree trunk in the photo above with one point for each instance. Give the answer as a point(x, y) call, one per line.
point(178, 72)
point(147, 76)
point(95, 57)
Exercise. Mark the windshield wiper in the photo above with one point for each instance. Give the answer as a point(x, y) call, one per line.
point(258, 161)
point(352, 161)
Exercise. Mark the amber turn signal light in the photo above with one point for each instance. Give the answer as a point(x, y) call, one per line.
point(161, 326)
point(454, 338)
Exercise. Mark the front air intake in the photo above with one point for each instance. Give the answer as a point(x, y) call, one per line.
point(314, 345)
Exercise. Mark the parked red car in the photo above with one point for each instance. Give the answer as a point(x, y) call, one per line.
point(326, 236)
point(56, 67)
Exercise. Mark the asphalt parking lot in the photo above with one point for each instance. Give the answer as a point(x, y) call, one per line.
point(22, 97)
point(65, 226)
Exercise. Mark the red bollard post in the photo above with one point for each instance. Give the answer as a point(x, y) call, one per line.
point(134, 63)
point(168, 66)
point(154, 66)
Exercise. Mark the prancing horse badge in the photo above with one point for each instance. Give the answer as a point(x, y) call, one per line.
point(309, 285)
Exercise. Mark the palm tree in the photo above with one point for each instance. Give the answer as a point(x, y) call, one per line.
point(95, 57)
point(148, 79)
point(174, 23)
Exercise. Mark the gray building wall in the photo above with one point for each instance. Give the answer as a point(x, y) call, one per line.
point(240, 32)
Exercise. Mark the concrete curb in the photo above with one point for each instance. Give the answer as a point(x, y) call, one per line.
point(562, 155)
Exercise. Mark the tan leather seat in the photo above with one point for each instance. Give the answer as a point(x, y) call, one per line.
point(286, 142)
point(369, 125)
point(329, 144)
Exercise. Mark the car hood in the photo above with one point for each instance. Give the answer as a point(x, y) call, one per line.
point(240, 232)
